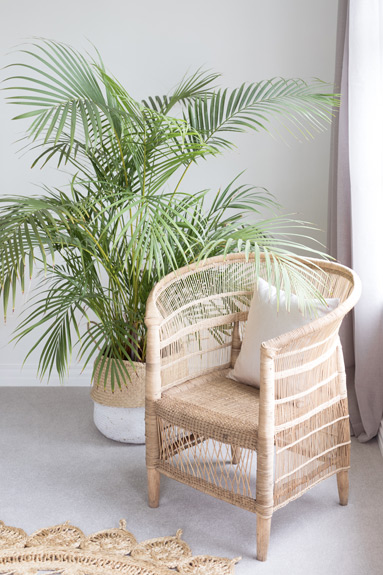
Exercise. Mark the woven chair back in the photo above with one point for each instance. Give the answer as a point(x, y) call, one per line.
point(202, 305)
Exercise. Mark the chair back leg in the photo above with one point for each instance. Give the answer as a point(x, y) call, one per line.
point(342, 480)
point(235, 454)
point(153, 487)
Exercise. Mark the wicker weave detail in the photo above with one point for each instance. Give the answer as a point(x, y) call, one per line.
point(132, 394)
point(64, 550)
point(208, 486)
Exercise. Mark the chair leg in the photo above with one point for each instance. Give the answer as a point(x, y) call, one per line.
point(263, 537)
point(235, 454)
point(342, 480)
point(153, 487)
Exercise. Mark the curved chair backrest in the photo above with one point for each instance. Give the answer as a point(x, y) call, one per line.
point(201, 307)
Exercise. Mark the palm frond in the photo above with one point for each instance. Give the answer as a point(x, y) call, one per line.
point(299, 107)
point(191, 87)
point(62, 91)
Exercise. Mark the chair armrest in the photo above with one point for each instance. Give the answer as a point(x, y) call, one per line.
point(310, 415)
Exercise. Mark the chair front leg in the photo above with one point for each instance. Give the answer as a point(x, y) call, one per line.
point(263, 536)
point(265, 455)
point(153, 487)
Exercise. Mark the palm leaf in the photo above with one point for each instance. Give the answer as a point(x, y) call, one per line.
point(299, 107)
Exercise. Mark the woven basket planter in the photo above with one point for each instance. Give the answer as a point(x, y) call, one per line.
point(120, 414)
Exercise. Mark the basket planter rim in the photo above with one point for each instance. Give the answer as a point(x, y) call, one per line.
point(132, 394)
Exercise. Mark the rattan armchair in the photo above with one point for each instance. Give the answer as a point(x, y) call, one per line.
point(257, 449)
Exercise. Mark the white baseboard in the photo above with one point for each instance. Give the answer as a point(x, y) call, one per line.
point(13, 375)
point(380, 437)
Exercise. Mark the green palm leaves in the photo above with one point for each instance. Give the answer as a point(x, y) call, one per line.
point(125, 221)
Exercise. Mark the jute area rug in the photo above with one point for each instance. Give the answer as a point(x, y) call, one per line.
point(65, 550)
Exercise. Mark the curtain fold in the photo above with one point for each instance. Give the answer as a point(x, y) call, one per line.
point(356, 202)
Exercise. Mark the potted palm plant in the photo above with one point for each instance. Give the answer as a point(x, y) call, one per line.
point(124, 220)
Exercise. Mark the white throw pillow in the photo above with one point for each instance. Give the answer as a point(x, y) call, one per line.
point(264, 323)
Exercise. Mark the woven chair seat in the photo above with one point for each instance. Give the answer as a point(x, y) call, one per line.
point(214, 406)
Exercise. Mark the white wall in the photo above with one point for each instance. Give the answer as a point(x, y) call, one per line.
point(149, 46)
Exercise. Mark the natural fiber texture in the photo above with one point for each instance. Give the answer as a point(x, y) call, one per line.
point(12, 537)
point(169, 551)
point(132, 394)
point(220, 418)
point(205, 565)
point(62, 536)
point(256, 449)
point(65, 550)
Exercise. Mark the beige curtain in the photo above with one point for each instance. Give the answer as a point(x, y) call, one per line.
point(356, 202)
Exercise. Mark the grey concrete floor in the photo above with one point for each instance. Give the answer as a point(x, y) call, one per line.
point(55, 466)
